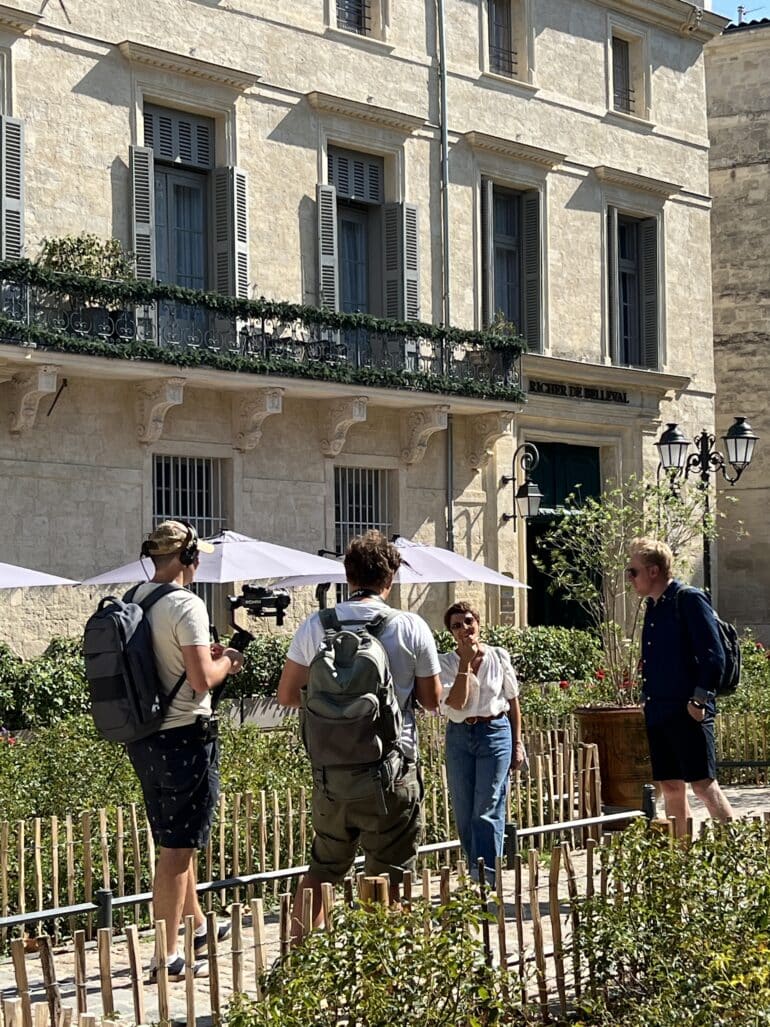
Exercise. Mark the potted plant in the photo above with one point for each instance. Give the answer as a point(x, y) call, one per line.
point(587, 557)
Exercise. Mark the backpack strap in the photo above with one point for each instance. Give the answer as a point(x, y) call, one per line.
point(146, 604)
point(329, 619)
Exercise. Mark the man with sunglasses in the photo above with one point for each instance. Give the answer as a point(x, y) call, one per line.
point(681, 661)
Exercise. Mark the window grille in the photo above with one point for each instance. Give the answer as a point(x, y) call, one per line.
point(622, 91)
point(502, 56)
point(355, 16)
point(193, 489)
point(361, 503)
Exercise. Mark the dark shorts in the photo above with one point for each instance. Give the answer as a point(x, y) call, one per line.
point(681, 749)
point(389, 840)
point(178, 770)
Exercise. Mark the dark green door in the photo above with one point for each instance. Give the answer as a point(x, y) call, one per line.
point(562, 471)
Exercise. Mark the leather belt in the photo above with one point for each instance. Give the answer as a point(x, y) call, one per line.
point(470, 721)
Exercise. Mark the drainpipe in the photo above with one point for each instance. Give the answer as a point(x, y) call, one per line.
point(446, 312)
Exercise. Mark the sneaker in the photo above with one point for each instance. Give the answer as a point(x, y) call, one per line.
point(175, 969)
point(201, 942)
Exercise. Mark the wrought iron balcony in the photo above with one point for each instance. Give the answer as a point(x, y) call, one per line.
point(166, 324)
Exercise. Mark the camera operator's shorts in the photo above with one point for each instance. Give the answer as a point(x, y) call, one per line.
point(178, 770)
point(389, 840)
point(681, 749)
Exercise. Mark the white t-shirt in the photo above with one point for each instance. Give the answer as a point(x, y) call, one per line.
point(489, 691)
point(407, 640)
point(177, 619)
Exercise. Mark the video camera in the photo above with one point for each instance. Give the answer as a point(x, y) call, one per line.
point(257, 602)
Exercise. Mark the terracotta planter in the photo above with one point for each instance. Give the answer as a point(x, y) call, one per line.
point(624, 758)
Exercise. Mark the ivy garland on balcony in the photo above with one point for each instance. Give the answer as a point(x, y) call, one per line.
point(85, 288)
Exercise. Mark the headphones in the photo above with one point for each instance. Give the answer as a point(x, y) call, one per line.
point(188, 552)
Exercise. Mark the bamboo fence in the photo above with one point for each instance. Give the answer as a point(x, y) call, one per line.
point(50, 862)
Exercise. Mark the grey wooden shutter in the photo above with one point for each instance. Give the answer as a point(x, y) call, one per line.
point(401, 261)
point(142, 170)
point(11, 188)
point(648, 258)
point(613, 284)
point(356, 176)
point(231, 232)
point(530, 259)
point(487, 252)
point(328, 273)
point(179, 137)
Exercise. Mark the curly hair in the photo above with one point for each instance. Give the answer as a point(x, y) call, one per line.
point(461, 607)
point(371, 561)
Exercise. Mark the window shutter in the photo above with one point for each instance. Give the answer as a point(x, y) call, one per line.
point(328, 276)
point(487, 253)
point(530, 239)
point(412, 262)
point(11, 188)
point(231, 232)
point(613, 283)
point(401, 261)
point(142, 169)
point(356, 176)
point(179, 137)
point(648, 230)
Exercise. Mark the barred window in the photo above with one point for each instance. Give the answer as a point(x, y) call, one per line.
point(361, 502)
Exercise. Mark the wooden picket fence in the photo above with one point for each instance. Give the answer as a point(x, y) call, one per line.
point(46, 863)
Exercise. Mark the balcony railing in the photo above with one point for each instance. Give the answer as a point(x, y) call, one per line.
point(166, 324)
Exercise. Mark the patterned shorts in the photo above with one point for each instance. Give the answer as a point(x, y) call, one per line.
point(178, 770)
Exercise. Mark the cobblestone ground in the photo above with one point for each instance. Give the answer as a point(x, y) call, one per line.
point(747, 801)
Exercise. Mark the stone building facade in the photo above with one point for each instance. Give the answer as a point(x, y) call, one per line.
point(295, 151)
point(738, 86)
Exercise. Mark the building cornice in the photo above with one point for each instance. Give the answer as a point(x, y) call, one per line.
point(658, 383)
point(384, 117)
point(16, 20)
point(192, 67)
point(639, 183)
point(677, 15)
point(513, 149)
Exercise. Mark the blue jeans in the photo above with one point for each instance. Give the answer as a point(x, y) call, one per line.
point(478, 761)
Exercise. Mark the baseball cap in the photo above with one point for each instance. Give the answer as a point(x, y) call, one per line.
point(170, 536)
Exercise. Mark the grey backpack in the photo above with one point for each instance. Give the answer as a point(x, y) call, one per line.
point(351, 719)
point(128, 701)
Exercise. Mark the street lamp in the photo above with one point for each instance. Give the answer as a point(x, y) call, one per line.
point(739, 441)
point(528, 495)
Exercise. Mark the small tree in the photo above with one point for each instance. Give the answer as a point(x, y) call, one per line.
point(87, 254)
point(588, 553)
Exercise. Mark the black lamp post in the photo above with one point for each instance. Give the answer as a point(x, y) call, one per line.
point(739, 442)
point(528, 495)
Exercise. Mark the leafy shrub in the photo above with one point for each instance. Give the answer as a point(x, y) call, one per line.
point(683, 935)
point(263, 662)
point(549, 654)
point(753, 694)
point(416, 966)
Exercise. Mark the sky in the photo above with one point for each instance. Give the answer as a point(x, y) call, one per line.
point(729, 8)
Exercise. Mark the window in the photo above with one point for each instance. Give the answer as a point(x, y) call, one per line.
point(633, 289)
point(368, 249)
point(361, 503)
point(622, 90)
point(502, 56)
point(355, 16)
point(193, 489)
point(628, 74)
point(510, 231)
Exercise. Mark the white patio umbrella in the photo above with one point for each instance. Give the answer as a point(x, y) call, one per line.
point(236, 557)
point(423, 565)
point(23, 577)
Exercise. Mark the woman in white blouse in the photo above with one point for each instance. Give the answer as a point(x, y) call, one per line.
point(483, 738)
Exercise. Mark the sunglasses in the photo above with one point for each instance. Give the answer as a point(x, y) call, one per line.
point(632, 572)
point(466, 622)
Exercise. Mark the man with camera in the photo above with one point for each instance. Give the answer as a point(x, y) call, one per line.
point(178, 767)
point(378, 804)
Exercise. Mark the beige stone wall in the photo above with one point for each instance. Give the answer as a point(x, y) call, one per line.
point(77, 485)
point(738, 79)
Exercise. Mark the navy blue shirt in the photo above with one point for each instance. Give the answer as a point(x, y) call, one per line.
point(682, 655)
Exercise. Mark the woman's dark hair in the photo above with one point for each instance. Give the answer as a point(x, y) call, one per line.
point(371, 561)
point(461, 607)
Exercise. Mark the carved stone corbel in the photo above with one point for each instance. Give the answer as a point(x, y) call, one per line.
point(154, 399)
point(420, 425)
point(250, 413)
point(483, 433)
point(336, 421)
point(29, 387)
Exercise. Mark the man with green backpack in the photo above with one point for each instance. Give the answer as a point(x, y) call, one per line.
point(355, 672)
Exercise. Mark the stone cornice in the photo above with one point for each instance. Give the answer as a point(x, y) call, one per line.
point(639, 183)
point(384, 117)
point(677, 15)
point(658, 383)
point(179, 64)
point(18, 21)
point(513, 150)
